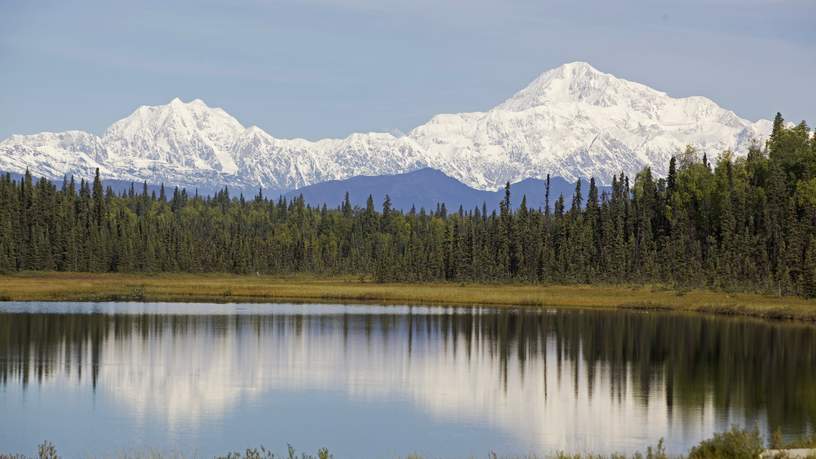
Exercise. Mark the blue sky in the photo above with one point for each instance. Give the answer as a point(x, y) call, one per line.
point(319, 68)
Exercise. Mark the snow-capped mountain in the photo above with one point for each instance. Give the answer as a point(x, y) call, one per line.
point(572, 121)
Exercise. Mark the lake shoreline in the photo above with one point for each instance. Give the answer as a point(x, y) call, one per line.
point(231, 288)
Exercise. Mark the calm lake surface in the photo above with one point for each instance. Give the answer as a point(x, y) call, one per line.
point(382, 382)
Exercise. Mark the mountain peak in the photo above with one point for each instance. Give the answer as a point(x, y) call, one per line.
point(188, 135)
point(575, 68)
point(177, 103)
point(576, 82)
point(193, 114)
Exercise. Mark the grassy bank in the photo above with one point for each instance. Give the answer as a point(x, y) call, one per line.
point(234, 288)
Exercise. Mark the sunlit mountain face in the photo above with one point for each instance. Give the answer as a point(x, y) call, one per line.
point(573, 121)
point(388, 381)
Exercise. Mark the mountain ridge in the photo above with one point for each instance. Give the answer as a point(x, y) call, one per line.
point(572, 121)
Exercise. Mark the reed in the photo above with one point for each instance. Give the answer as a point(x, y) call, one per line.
point(733, 444)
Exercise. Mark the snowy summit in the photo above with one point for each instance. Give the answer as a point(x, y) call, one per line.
point(572, 121)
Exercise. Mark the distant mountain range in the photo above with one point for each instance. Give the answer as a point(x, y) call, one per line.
point(425, 188)
point(572, 121)
point(421, 189)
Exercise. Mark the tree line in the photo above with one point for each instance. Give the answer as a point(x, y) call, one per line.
point(742, 223)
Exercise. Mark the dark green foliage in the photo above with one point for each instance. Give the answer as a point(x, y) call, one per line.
point(745, 223)
point(734, 444)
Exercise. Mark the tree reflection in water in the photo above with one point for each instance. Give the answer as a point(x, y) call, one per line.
point(520, 367)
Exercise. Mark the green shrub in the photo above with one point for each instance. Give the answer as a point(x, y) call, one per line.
point(733, 444)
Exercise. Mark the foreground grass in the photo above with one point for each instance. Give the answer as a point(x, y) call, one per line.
point(732, 444)
point(235, 288)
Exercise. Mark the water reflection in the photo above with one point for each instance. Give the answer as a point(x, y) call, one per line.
point(591, 380)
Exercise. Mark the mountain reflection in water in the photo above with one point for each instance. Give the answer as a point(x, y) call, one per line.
point(597, 381)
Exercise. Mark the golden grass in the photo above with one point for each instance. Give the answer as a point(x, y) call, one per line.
point(36, 286)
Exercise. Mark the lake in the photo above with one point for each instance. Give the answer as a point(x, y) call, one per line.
point(387, 381)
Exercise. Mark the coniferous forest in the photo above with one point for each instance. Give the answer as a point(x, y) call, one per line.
point(746, 223)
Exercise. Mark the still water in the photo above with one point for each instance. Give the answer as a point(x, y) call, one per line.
point(382, 382)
